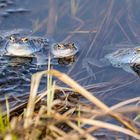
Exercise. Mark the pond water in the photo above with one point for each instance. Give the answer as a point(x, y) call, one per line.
point(98, 27)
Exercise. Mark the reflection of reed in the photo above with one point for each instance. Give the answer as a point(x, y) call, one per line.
point(52, 17)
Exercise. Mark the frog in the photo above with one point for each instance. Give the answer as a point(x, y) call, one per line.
point(14, 44)
point(126, 58)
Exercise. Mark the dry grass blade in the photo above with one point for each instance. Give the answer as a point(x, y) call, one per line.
point(50, 90)
point(81, 131)
point(55, 129)
point(66, 79)
point(41, 111)
point(128, 109)
point(98, 124)
point(109, 126)
point(125, 103)
point(7, 111)
point(31, 103)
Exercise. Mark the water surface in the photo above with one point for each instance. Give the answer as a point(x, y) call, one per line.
point(98, 27)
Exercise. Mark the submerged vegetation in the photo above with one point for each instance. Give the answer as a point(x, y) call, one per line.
point(57, 113)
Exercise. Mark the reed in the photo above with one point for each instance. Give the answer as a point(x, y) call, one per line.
point(46, 120)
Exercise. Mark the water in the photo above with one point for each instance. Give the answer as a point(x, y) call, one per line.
point(99, 27)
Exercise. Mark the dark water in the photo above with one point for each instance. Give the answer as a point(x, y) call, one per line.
point(99, 27)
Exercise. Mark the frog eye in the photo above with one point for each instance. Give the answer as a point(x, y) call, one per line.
point(25, 39)
point(12, 39)
point(60, 46)
point(138, 50)
point(72, 45)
